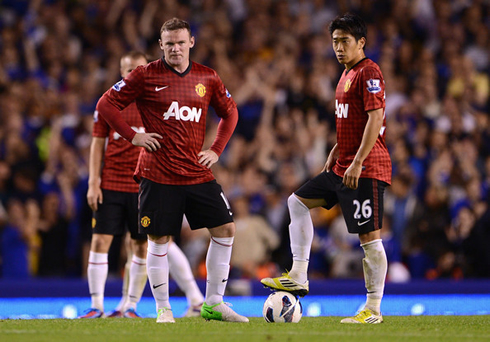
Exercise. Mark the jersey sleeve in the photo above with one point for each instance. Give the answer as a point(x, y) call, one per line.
point(373, 88)
point(226, 109)
point(221, 100)
point(121, 95)
point(128, 89)
point(101, 127)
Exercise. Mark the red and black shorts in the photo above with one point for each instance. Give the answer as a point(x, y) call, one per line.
point(162, 207)
point(117, 214)
point(362, 208)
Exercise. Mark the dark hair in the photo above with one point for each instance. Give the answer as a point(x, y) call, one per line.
point(134, 55)
point(175, 24)
point(351, 24)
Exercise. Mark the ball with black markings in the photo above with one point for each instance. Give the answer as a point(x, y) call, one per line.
point(282, 307)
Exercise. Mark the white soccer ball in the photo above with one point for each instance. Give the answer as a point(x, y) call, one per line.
point(282, 307)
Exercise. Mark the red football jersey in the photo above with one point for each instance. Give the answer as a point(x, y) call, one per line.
point(175, 106)
point(361, 89)
point(120, 157)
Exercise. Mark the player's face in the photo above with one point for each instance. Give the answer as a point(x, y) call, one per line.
point(176, 46)
point(347, 49)
point(128, 64)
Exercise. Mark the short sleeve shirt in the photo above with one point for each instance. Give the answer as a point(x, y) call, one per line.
point(361, 89)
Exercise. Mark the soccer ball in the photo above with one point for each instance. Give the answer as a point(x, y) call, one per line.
point(282, 307)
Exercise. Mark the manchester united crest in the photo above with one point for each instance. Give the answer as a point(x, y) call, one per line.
point(200, 90)
point(347, 85)
point(145, 221)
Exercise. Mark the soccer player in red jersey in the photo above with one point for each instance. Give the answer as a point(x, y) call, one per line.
point(113, 196)
point(173, 95)
point(355, 175)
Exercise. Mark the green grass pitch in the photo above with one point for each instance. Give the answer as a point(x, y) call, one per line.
point(395, 328)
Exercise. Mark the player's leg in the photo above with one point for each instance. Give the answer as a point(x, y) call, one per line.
point(315, 193)
point(138, 248)
point(97, 270)
point(207, 206)
point(181, 272)
point(160, 215)
point(119, 310)
point(137, 277)
point(157, 268)
point(218, 269)
point(375, 267)
point(108, 221)
point(363, 212)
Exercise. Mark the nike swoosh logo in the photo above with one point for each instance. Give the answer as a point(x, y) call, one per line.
point(157, 286)
point(209, 311)
point(362, 223)
point(160, 88)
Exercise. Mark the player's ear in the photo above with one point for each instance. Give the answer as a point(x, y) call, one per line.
point(160, 43)
point(361, 42)
point(193, 41)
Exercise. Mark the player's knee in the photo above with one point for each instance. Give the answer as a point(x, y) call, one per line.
point(101, 243)
point(139, 248)
point(226, 230)
point(295, 203)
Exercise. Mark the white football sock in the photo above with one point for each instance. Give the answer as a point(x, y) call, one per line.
point(218, 268)
point(122, 302)
point(137, 282)
point(181, 271)
point(375, 266)
point(301, 235)
point(157, 267)
point(97, 275)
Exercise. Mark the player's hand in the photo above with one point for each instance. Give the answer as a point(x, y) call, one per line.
point(207, 158)
point(94, 197)
point(351, 176)
point(147, 140)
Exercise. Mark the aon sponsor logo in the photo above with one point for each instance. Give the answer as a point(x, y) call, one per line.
point(136, 129)
point(341, 109)
point(184, 113)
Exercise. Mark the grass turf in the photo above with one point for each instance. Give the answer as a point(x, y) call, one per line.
point(395, 328)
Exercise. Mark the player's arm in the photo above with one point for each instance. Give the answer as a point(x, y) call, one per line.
point(112, 115)
point(369, 137)
point(225, 108)
point(332, 157)
point(225, 130)
point(94, 193)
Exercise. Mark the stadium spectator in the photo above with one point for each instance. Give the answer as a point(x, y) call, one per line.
point(250, 258)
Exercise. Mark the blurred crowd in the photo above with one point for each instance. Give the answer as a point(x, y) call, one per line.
point(276, 59)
